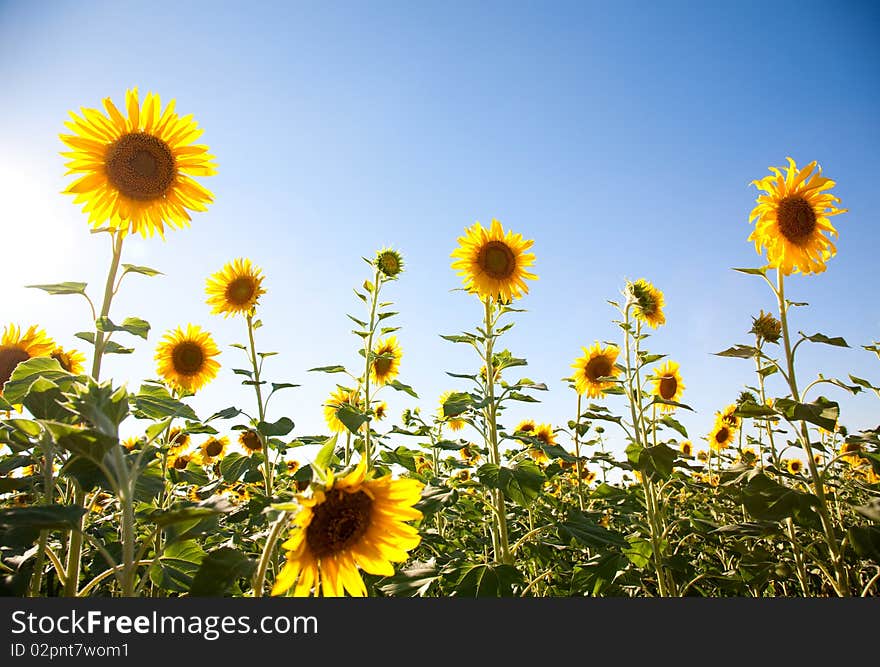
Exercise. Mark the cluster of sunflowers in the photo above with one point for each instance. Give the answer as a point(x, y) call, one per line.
point(473, 508)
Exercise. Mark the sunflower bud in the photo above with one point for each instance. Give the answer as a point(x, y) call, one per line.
point(766, 327)
point(389, 262)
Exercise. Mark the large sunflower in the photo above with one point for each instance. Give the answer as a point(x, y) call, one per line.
point(597, 362)
point(353, 522)
point(339, 398)
point(235, 288)
point(134, 173)
point(721, 435)
point(668, 385)
point(792, 216)
point(386, 360)
point(250, 441)
point(493, 263)
point(213, 449)
point(649, 303)
point(71, 360)
point(16, 347)
point(185, 358)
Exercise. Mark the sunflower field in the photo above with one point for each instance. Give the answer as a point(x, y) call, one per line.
point(449, 498)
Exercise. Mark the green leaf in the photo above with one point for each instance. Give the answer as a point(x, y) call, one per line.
point(767, 500)
point(85, 442)
point(456, 403)
point(44, 401)
point(435, 498)
point(458, 339)
point(209, 507)
point(588, 532)
point(142, 270)
point(521, 483)
point(277, 429)
point(820, 412)
point(639, 551)
point(28, 372)
point(112, 347)
point(132, 325)
point(750, 409)
point(88, 336)
point(219, 572)
point(740, 352)
point(399, 386)
point(866, 541)
point(351, 417)
point(278, 386)
point(325, 455)
point(154, 402)
point(753, 272)
point(675, 425)
point(871, 511)
point(234, 465)
point(487, 581)
point(61, 288)
point(226, 413)
point(413, 581)
point(837, 341)
point(657, 461)
point(41, 517)
point(328, 369)
point(175, 569)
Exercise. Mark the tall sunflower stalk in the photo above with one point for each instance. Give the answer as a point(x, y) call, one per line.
point(792, 225)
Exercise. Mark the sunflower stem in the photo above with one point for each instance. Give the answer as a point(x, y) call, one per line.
point(100, 341)
point(841, 579)
point(266, 556)
point(261, 408)
point(577, 453)
point(74, 546)
point(368, 356)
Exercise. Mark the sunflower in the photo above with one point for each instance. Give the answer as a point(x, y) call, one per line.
point(339, 398)
point(134, 173)
point(649, 303)
point(71, 360)
point(794, 466)
point(353, 523)
point(380, 409)
point(131, 443)
point(527, 426)
point(792, 219)
point(766, 327)
point(16, 347)
point(545, 435)
point(250, 441)
point(386, 360)
point(686, 448)
point(728, 417)
point(849, 452)
point(721, 435)
point(668, 385)
point(597, 362)
point(177, 440)
point(180, 460)
point(185, 358)
point(703, 456)
point(455, 423)
point(389, 262)
point(235, 288)
point(213, 449)
point(493, 263)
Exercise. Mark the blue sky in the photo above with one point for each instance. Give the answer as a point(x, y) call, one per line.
point(621, 138)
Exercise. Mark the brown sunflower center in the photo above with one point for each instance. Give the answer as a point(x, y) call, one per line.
point(382, 366)
point(722, 435)
point(188, 358)
point(339, 522)
point(686, 449)
point(497, 259)
point(181, 462)
point(240, 291)
point(62, 360)
point(389, 263)
point(668, 387)
point(140, 166)
point(598, 367)
point(213, 448)
point(10, 357)
point(251, 441)
point(796, 218)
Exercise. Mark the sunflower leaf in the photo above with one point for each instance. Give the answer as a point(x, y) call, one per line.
point(61, 288)
point(328, 369)
point(740, 352)
point(280, 428)
point(836, 341)
point(399, 386)
point(142, 270)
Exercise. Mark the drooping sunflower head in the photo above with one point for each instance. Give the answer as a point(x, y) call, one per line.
point(235, 289)
point(389, 262)
point(250, 441)
point(185, 358)
point(686, 448)
point(702, 456)
point(456, 422)
point(721, 435)
point(213, 449)
point(131, 443)
point(354, 523)
point(380, 409)
point(180, 460)
point(746, 397)
point(794, 466)
point(386, 360)
point(527, 426)
point(469, 453)
point(791, 218)
point(340, 397)
point(16, 347)
point(727, 415)
point(70, 360)
point(134, 173)
point(850, 452)
point(493, 264)
point(668, 385)
point(178, 441)
point(544, 433)
point(748, 456)
point(648, 302)
point(766, 327)
point(598, 362)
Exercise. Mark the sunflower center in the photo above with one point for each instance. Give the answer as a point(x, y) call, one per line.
point(598, 367)
point(10, 357)
point(668, 387)
point(497, 259)
point(62, 360)
point(382, 366)
point(188, 358)
point(240, 291)
point(214, 448)
point(140, 166)
point(722, 435)
point(796, 218)
point(339, 522)
point(251, 441)
point(181, 462)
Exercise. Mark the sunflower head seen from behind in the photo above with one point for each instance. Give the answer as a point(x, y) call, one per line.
point(185, 358)
point(349, 524)
point(17, 346)
point(648, 302)
point(235, 289)
point(493, 263)
point(389, 262)
point(792, 218)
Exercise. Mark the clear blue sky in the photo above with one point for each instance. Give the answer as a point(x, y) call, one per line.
point(621, 137)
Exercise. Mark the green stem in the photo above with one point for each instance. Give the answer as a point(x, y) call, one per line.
point(74, 546)
point(368, 355)
point(260, 575)
point(100, 342)
point(841, 584)
point(577, 453)
point(48, 492)
point(261, 408)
